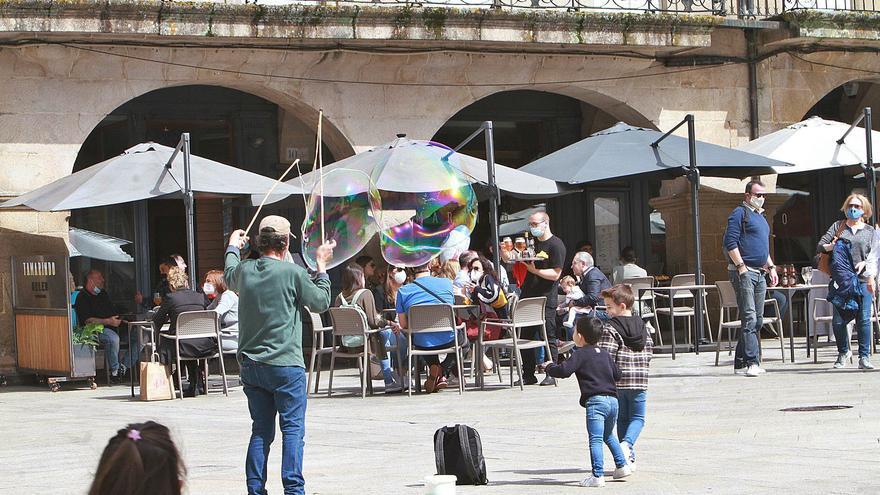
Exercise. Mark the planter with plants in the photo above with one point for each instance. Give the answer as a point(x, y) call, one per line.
point(85, 340)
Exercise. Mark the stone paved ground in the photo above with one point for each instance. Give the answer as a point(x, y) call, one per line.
point(708, 432)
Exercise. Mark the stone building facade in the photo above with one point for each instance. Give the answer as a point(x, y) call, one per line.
point(377, 71)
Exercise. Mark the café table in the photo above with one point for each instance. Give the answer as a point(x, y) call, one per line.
point(789, 293)
point(672, 290)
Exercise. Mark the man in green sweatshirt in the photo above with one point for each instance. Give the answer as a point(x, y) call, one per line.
point(272, 294)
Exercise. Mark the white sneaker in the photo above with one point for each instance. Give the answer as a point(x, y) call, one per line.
point(864, 364)
point(753, 370)
point(593, 482)
point(739, 371)
point(622, 472)
point(628, 455)
point(759, 369)
point(841, 360)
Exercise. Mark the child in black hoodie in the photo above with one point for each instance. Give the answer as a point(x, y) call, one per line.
point(596, 374)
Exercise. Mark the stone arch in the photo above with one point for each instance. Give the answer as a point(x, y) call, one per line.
point(619, 110)
point(333, 138)
point(845, 102)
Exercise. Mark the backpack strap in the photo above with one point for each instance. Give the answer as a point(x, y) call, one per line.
point(464, 440)
point(429, 291)
point(439, 452)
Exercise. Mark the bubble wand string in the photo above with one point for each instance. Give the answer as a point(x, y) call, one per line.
point(319, 160)
point(259, 208)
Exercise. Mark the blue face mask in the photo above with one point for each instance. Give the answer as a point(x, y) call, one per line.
point(854, 213)
point(536, 231)
point(97, 290)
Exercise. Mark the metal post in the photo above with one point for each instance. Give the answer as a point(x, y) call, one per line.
point(870, 174)
point(494, 196)
point(694, 178)
point(189, 204)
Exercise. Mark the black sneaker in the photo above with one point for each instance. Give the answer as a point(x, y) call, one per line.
point(527, 380)
point(115, 379)
point(548, 380)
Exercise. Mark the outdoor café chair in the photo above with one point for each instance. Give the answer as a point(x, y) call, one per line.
point(429, 318)
point(727, 297)
point(197, 325)
point(645, 303)
point(348, 321)
point(528, 312)
point(686, 297)
point(319, 331)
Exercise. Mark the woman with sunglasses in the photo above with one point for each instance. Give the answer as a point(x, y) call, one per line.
point(860, 235)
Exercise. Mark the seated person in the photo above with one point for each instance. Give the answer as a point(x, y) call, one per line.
point(180, 300)
point(225, 303)
point(426, 289)
point(354, 292)
point(462, 277)
point(93, 306)
point(627, 267)
point(385, 294)
point(485, 288)
point(369, 267)
point(573, 293)
point(592, 282)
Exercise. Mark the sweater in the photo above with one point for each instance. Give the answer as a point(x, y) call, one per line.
point(595, 370)
point(753, 241)
point(271, 295)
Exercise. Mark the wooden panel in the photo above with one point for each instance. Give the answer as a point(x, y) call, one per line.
point(209, 236)
point(43, 342)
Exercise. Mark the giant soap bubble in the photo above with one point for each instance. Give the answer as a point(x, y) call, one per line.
point(417, 204)
point(347, 216)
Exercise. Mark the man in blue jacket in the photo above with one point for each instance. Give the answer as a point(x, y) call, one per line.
point(747, 243)
point(592, 281)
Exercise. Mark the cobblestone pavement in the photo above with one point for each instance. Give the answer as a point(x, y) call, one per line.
point(707, 431)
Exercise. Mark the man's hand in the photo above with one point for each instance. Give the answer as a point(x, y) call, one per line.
point(324, 254)
point(742, 269)
point(774, 277)
point(871, 287)
point(238, 239)
point(113, 321)
point(530, 266)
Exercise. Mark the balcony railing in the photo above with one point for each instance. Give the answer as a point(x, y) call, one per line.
point(755, 9)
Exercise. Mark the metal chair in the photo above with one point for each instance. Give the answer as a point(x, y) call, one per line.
point(646, 301)
point(430, 318)
point(318, 348)
point(727, 297)
point(528, 312)
point(197, 325)
point(348, 321)
point(684, 295)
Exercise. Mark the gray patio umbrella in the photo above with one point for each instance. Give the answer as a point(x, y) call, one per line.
point(146, 171)
point(624, 151)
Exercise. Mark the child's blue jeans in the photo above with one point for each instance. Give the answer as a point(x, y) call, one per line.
point(601, 418)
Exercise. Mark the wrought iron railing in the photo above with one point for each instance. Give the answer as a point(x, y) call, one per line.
point(758, 9)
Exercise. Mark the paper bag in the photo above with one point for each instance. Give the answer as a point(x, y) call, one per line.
point(156, 383)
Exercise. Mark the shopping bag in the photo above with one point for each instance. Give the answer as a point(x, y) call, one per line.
point(156, 383)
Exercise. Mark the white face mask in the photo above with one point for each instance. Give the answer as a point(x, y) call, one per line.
point(400, 277)
point(476, 276)
point(208, 288)
point(756, 202)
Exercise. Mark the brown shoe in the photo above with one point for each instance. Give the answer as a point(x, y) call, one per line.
point(434, 377)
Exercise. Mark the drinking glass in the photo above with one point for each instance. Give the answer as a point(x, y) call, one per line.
point(807, 274)
point(520, 244)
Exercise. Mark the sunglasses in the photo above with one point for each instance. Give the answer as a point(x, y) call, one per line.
point(758, 195)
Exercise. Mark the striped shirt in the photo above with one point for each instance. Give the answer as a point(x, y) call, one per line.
point(633, 365)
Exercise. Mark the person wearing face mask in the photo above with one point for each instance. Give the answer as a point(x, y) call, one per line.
point(542, 280)
point(486, 289)
point(225, 303)
point(864, 251)
point(747, 244)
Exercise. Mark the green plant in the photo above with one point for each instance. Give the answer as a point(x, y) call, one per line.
point(87, 334)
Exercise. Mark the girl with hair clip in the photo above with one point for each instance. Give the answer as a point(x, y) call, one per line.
point(140, 460)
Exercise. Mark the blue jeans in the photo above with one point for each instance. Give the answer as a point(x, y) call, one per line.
point(751, 290)
point(110, 340)
point(601, 417)
point(863, 325)
point(631, 417)
point(270, 390)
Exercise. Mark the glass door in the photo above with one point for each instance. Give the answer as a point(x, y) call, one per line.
point(609, 222)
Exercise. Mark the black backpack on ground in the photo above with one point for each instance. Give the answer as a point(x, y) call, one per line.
point(458, 451)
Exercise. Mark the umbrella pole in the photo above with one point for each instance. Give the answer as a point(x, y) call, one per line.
point(870, 173)
point(693, 175)
point(188, 202)
point(494, 198)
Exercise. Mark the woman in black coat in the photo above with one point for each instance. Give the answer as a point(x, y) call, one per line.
point(180, 300)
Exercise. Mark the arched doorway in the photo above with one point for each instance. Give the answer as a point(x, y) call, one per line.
point(530, 124)
point(814, 198)
point(226, 125)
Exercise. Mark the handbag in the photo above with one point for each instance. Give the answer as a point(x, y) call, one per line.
point(823, 260)
point(156, 383)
